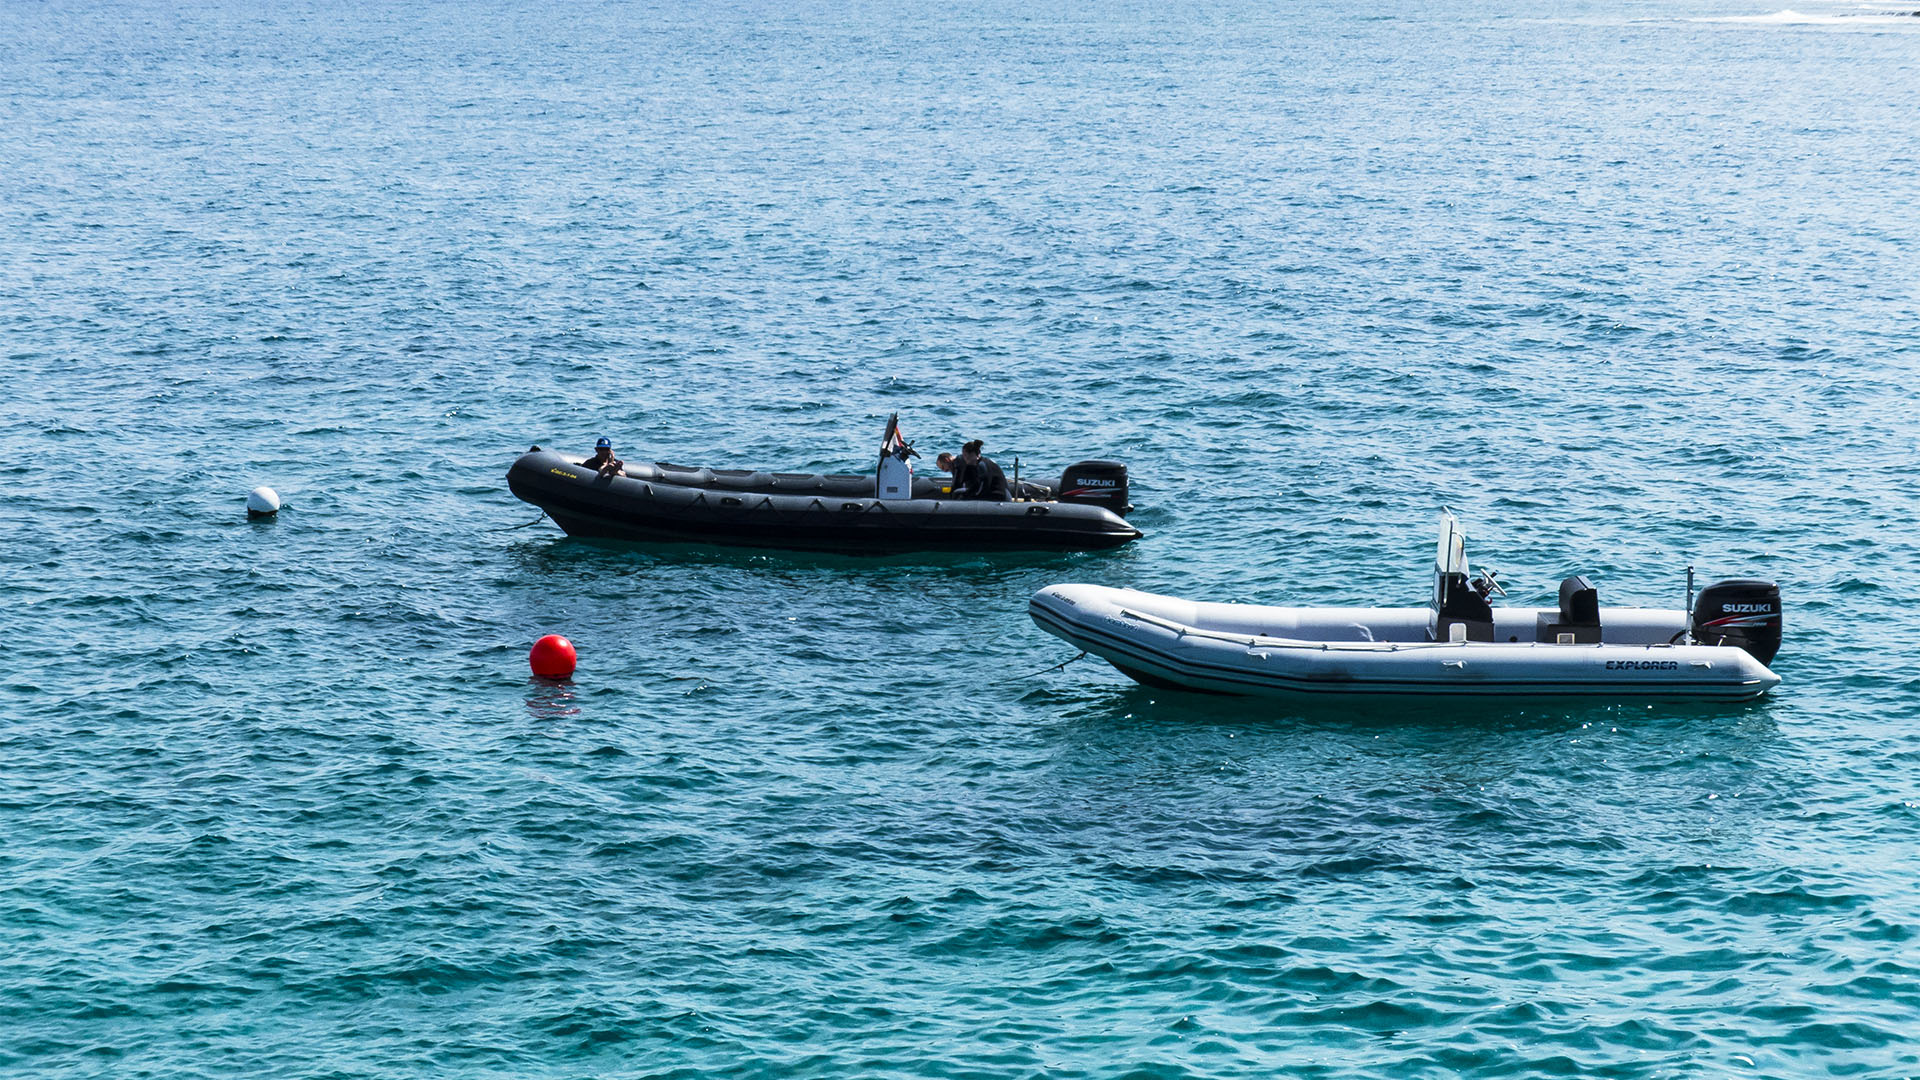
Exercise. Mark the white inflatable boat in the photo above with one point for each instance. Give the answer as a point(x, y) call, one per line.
point(1458, 645)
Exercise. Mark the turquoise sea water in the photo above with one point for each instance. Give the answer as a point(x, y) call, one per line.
point(1631, 286)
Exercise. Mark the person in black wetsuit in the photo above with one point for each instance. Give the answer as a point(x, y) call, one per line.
point(603, 461)
point(977, 477)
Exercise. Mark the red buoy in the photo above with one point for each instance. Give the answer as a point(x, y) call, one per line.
point(553, 657)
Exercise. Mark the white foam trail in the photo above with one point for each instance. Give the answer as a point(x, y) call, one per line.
point(1790, 17)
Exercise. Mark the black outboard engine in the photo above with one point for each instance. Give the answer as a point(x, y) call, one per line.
point(1096, 483)
point(1744, 613)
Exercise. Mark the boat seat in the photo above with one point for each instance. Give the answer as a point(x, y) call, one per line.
point(813, 484)
point(795, 481)
point(1032, 492)
point(1577, 621)
point(684, 475)
point(844, 484)
point(742, 480)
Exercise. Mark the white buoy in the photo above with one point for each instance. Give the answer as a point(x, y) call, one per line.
point(262, 502)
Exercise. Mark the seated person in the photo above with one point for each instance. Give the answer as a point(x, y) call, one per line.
point(977, 477)
point(603, 461)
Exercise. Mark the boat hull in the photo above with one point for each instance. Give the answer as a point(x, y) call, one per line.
point(800, 512)
point(1228, 649)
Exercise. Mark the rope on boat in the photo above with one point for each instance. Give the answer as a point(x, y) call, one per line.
point(528, 525)
point(1054, 668)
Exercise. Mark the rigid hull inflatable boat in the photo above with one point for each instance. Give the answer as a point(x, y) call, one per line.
point(1457, 646)
point(877, 514)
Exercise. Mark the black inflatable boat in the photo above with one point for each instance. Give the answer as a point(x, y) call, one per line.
point(815, 512)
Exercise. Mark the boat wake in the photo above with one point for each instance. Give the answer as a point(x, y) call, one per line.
point(1790, 17)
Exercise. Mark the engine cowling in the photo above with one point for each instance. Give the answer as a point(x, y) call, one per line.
point(1096, 483)
point(1744, 612)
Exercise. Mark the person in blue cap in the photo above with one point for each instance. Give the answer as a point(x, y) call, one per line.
point(603, 461)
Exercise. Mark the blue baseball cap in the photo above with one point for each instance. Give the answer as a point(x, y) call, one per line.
point(604, 443)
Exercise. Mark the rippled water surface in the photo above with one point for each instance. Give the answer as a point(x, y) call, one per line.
point(1631, 286)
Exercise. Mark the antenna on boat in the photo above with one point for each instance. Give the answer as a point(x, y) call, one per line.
point(1689, 602)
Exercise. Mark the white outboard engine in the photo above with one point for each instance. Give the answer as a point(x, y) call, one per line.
point(894, 480)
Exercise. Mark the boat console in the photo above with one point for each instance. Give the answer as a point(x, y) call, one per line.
point(1460, 611)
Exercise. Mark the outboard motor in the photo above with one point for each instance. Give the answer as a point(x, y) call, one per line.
point(1744, 612)
point(1096, 483)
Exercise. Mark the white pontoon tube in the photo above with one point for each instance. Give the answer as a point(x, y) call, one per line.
point(1458, 645)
